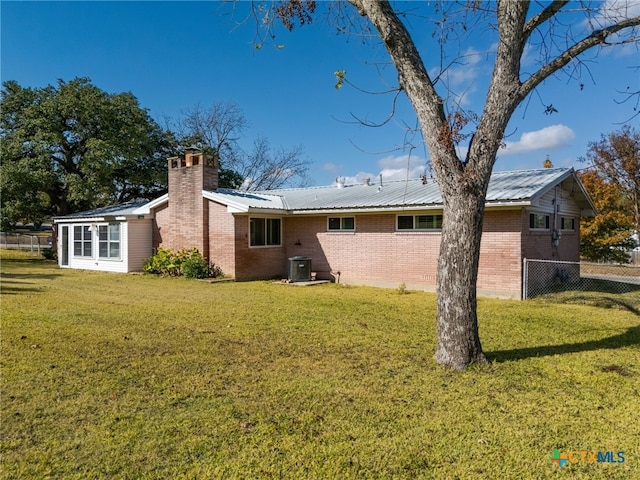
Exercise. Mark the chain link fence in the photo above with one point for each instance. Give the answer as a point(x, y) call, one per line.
point(541, 277)
point(34, 243)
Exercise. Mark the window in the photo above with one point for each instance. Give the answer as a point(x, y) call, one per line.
point(567, 223)
point(337, 224)
point(264, 232)
point(419, 222)
point(109, 241)
point(538, 221)
point(82, 241)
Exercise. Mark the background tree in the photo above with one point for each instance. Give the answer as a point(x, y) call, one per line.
point(72, 147)
point(613, 181)
point(607, 236)
point(220, 128)
point(559, 32)
point(616, 159)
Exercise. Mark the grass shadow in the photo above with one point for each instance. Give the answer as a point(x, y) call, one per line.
point(18, 275)
point(630, 337)
point(628, 302)
point(7, 277)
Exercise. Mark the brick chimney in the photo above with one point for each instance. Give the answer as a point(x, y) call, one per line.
point(188, 210)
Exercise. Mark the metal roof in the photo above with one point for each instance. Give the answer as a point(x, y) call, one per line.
point(520, 187)
point(124, 209)
point(514, 187)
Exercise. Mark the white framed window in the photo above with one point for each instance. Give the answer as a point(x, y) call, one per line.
point(265, 232)
point(109, 241)
point(341, 224)
point(82, 241)
point(538, 221)
point(567, 223)
point(419, 222)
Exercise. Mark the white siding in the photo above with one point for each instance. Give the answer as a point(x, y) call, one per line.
point(93, 262)
point(566, 204)
point(140, 243)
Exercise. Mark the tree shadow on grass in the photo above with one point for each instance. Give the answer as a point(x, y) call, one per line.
point(630, 337)
point(22, 278)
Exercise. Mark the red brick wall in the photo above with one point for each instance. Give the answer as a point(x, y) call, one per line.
point(377, 254)
point(261, 262)
point(183, 223)
point(538, 245)
point(187, 212)
point(222, 238)
point(161, 225)
point(500, 268)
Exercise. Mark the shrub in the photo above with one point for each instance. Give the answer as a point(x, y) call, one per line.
point(189, 263)
point(50, 253)
point(162, 263)
point(195, 266)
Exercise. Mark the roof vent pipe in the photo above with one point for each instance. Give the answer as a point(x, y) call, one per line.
point(367, 181)
point(380, 179)
point(341, 181)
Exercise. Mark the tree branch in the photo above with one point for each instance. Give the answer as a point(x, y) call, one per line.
point(415, 81)
point(543, 16)
point(597, 37)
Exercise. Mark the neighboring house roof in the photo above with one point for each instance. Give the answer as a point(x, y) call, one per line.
point(514, 188)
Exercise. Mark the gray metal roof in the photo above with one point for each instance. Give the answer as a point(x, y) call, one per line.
point(520, 186)
point(121, 210)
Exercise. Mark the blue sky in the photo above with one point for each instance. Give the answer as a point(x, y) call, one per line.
point(173, 55)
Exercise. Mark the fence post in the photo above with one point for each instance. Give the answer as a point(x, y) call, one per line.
point(525, 278)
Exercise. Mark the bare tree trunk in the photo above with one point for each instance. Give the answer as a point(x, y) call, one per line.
point(458, 342)
point(463, 183)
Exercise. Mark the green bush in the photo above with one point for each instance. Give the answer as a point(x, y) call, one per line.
point(189, 263)
point(195, 266)
point(162, 263)
point(50, 253)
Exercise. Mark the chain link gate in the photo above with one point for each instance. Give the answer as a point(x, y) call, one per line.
point(541, 277)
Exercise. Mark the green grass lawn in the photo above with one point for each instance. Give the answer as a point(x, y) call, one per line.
point(132, 376)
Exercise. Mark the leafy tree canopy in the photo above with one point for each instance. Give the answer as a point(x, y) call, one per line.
point(613, 182)
point(72, 146)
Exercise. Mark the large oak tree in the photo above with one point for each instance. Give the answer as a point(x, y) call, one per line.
point(72, 147)
point(519, 26)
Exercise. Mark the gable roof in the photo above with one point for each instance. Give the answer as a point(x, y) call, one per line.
point(514, 188)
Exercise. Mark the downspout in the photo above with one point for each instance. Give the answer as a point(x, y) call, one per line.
point(555, 233)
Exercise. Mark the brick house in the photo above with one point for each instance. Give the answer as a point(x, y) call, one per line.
point(376, 233)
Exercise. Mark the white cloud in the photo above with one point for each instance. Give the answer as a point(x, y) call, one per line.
point(460, 77)
point(616, 10)
point(331, 167)
point(549, 138)
point(391, 168)
point(393, 162)
point(613, 11)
